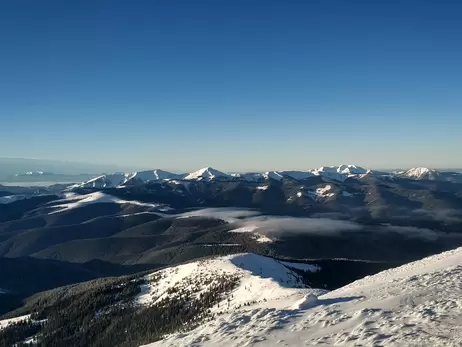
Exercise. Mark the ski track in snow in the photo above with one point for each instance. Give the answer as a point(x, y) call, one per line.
point(418, 304)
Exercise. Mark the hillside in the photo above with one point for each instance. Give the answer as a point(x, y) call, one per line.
point(418, 304)
point(250, 300)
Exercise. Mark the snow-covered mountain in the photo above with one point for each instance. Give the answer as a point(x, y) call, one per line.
point(340, 173)
point(206, 173)
point(104, 181)
point(33, 173)
point(150, 175)
point(418, 304)
point(332, 173)
point(419, 173)
point(423, 173)
point(261, 281)
point(120, 178)
point(74, 201)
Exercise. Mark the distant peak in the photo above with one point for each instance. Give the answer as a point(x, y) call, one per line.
point(205, 173)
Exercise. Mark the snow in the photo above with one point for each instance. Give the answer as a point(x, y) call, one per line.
point(8, 199)
point(302, 266)
point(262, 188)
point(255, 235)
point(418, 304)
point(352, 170)
point(206, 173)
point(275, 175)
point(298, 175)
point(73, 200)
point(262, 238)
point(333, 173)
point(419, 173)
point(248, 176)
point(322, 192)
point(279, 175)
point(263, 281)
point(30, 340)
point(142, 213)
point(4, 323)
point(151, 175)
point(341, 172)
point(119, 179)
point(104, 181)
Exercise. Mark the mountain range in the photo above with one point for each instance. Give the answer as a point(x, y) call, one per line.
point(337, 173)
point(341, 223)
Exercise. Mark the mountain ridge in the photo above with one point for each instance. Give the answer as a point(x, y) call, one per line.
point(336, 173)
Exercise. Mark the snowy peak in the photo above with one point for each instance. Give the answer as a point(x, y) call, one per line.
point(120, 179)
point(352, 170)
point(33, 173)
point(420, 173)
point(150, 175)
point(342, 169)
point(279, 175)
point(329, 174)
point(423, 173)
point(206, 173)
point(104, 181)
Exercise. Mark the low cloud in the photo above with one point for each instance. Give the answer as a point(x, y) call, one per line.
point(248, 220)
point(229, 215)
point(413, 232)
point(275, 224)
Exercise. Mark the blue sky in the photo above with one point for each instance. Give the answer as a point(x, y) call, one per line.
point(237, 85)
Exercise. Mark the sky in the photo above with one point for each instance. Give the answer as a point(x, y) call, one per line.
point(236, 85)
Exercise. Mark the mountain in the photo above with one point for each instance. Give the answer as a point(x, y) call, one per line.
point(349, 222)
point(206, 173)
point(104, 181)
point(247, 299)
point(338, 173)
point(420, 173)
point(410, 305)
point(152, 175)
point(423, 173)
point(34, 173)
point(120, 179)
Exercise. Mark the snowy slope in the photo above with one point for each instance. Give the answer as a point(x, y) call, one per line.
point(340, 173)
point(263, 281)
point(206, 173)
point(104, 181)
point(419, 173)
point(120, 179)
point(332, 173)
point(279, 175)
point(72, 201)
point(418, 304)
point(5, 322)
point(151, 175)
point(8, 199)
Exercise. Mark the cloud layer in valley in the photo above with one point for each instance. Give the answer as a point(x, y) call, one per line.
point(253, 221)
